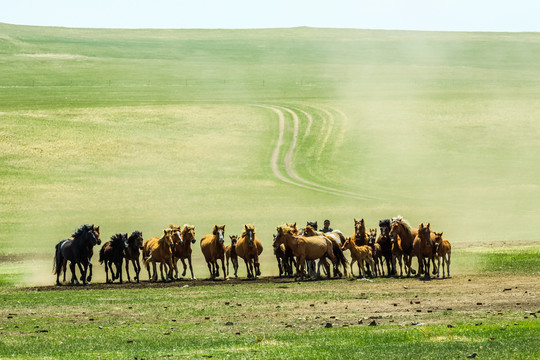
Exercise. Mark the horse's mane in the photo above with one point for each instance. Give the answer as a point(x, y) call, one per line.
point(82, 229)
point(403, 222)
point(186, 228)
point(384, 223)
point(134, 235)
point(117, 239)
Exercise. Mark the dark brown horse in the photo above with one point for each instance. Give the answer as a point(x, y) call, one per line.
point(112, 252)
point(78, 250)
point(249, 248)
point(213, 249)
point(385, 243)
point(132, 253)
point(403, 236)
point(183, 239)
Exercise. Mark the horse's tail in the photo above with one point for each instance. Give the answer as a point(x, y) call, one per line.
point(102, 254)
point(340, 255)
point(57, 258)
point(341, 236)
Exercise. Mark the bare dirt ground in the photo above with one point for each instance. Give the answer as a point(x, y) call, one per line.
point(460, 298)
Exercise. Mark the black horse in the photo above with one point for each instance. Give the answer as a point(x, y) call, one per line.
point(112, 252)
point(131, 253)
point(386, 245)
point(78, 249)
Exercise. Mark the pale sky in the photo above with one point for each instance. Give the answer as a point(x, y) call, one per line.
point(445, 15)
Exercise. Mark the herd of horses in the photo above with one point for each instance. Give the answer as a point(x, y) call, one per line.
point(300, 252)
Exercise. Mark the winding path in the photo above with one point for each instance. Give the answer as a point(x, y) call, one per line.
point(287, 161)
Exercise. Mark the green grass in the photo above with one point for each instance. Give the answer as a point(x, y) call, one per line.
point(268, 321)
point(137, 129)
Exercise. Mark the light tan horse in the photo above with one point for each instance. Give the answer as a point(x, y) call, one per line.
point(359, 254)
point(230, 254)
point(183, 237)
point(304, 248)
point(443, 250)
point(213, 249)
point(423, 249)
point(249, 248)
point(402, 236)
point(338, 239)
point(159, 250)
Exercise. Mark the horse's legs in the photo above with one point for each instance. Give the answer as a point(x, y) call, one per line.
point(127, 270)
point(352, 272)
point(119, 269)
point(185, 267)
point(154, 268)
point(89, 278)
point(225, 277)
point(191, 268)
point(137, 268)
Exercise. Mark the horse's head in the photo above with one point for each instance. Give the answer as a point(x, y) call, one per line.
point(384, 225)
point(249, 233)
point(219, 231)
point(313, 224)
point(284, 231)
point(234, 240)
point(177, 235)
point(293, 227)
point(309, 231)
point(372, 236)
point(424, 232)
point(395, 227)
point(136, 239)
point(359, 227)
point(347, 244)
point(188, 233)
point(96, 235)
point(438, 239)
point(167, 238)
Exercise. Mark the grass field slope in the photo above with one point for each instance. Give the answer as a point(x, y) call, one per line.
point(137, 129)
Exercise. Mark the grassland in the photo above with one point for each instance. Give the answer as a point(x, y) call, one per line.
point(137, 129)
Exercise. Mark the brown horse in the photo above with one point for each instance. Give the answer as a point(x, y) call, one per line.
point(443, 250)
point(360, 236)
point(249, 248)
point(402, 236)
point(213, 249)
point(305, 248)
point(376, 252)
point(359, 254)
point(230, 254)
point(132, 252)
point(183, 237)
point(159, 250)
point(423, 249)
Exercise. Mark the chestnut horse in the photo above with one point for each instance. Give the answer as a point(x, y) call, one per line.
point(183, 238)
point(423, 249)
point(359, 254)
point(112, 252)
point(402, 237)
point(213, 249)
point(249, 248)
point(443, 250)
point(304, 248)
point(230, 254)
point(78, 250)
point(159, 250)
point(132, 252)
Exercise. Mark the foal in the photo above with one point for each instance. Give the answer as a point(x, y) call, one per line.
point(230, 253)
